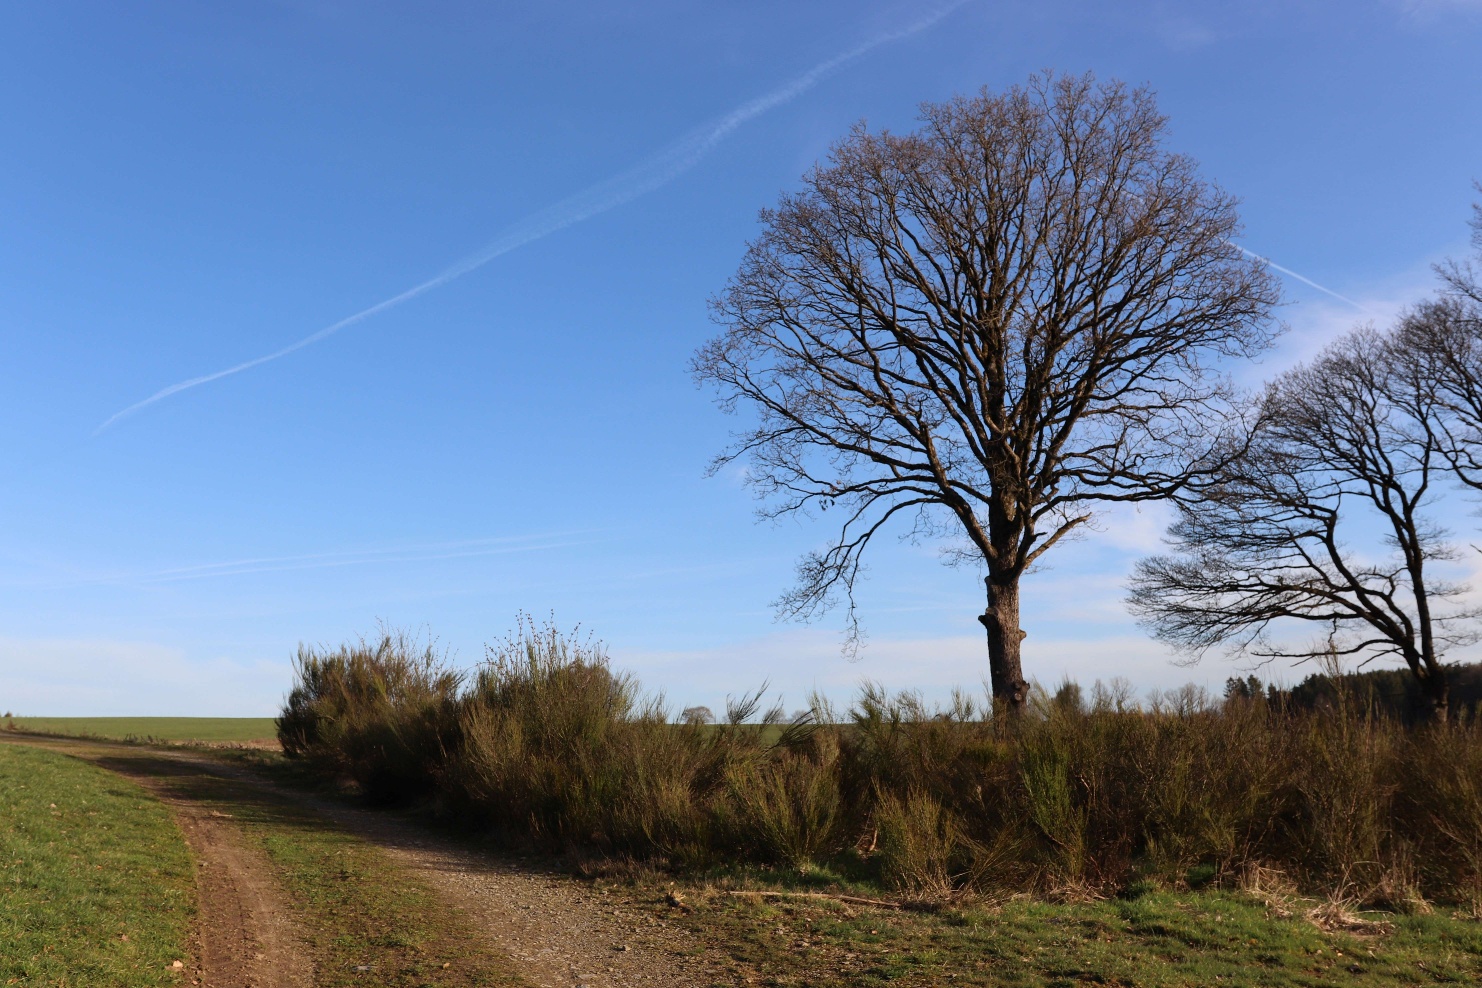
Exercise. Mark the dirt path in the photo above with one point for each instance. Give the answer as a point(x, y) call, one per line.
point(245, 935)
point(560, 932)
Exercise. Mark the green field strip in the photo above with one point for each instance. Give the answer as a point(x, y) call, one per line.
point(240, 729)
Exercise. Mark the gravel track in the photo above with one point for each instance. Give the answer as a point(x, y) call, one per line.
point(560, 932)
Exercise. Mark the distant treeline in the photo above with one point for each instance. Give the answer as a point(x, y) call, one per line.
point(1391, 692)
point(546, 745)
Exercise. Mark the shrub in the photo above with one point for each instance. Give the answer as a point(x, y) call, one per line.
point(789, 805)
point(543, 727)
point(382, 714)
point(922, 848)
point(545, 742)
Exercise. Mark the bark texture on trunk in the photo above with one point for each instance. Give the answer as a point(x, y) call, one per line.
point(1001, 620)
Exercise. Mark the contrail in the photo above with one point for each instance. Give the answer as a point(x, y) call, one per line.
point(1302, 278)
point(655, 171)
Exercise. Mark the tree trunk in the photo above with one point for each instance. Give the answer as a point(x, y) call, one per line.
point(1001, 620)
point(1437, 690)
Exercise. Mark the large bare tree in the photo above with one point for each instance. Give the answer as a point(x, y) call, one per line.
point(990, 326)
point(1325, 519)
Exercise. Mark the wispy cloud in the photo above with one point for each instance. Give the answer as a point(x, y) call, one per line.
point(378, 555)
point(1430, 8)
point(652, 173)
point(1184, 34)
point(1313, 323)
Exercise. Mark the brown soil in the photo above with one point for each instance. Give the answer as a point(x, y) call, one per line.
point(246, 936)
point(557, 930)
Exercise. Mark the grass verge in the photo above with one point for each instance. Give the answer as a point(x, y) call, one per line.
point(95, 880)
point(367, 922)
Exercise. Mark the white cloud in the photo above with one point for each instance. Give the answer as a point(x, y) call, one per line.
point(1133, 528)
point(92, 678)
point(389, 554)
point(799, 661)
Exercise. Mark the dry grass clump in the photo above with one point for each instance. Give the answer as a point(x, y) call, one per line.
point(1340, 915)
point(1088, 792)
point(1271, 886)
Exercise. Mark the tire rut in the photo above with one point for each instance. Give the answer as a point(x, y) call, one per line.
point(559, 933)
point(245, 936)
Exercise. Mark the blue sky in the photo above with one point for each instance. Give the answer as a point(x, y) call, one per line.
point(188, 187)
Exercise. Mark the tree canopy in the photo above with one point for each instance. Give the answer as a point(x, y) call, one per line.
point(985, 329)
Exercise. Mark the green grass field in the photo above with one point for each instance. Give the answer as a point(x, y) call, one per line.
point(240, 729)
point(96, 887)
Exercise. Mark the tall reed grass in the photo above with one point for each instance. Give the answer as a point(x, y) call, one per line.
point(546, 743)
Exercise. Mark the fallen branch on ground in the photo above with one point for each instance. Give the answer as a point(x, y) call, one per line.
point(853, 900)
